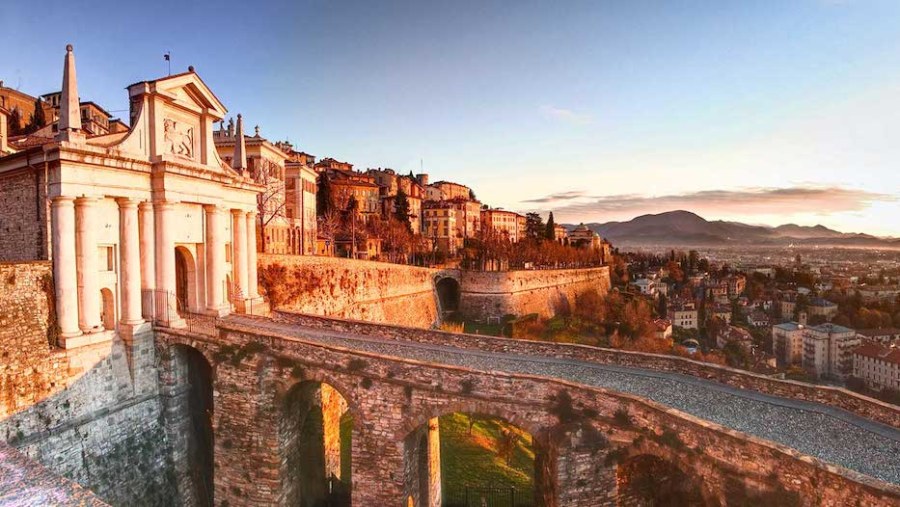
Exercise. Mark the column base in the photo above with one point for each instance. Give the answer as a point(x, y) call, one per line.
point(83, 340)
point(252, 306)
point(218, 311)
point(128, 331)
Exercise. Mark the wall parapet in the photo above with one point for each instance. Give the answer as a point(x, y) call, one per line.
point(836, 397)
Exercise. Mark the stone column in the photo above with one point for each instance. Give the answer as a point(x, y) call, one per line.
point(165, 300)
point(215, 259)
point(63, 237)
point(148, 256)
point(239, 251)
point(87, 264)
point(130, 262)
point(252, 280)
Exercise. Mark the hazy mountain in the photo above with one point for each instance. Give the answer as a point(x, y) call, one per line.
point(686, 228)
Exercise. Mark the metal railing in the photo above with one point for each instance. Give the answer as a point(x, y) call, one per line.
point(488, 496)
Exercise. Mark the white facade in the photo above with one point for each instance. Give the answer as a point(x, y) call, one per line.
point(146, 224)
point(827, 350)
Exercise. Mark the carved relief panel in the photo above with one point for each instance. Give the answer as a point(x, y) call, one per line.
point(178, 138)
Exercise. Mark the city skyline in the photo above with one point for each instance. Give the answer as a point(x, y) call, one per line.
point(787, 117)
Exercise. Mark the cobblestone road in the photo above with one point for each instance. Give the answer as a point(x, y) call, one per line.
point(827, 433)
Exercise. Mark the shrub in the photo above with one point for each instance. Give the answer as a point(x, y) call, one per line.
point(622, 418)
point(357, 364)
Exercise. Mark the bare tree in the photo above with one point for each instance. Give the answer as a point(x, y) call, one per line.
point(329, 225)
point(271, 203)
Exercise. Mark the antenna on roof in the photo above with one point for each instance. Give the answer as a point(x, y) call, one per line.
point(168, 57)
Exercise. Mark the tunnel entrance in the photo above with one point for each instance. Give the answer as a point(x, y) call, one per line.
point(470, 460)
point(200, 443)
point(650, 480)
point(315, 431)
point(448, 295)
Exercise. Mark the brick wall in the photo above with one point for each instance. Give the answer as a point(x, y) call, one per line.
point(23, 217)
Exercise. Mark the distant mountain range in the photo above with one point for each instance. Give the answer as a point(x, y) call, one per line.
point(684, 228)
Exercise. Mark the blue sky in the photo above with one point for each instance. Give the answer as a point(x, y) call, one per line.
point(760, 111)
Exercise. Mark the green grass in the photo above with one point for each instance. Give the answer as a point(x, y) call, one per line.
point(346, 456)
point(483, 329)
point(474, 459)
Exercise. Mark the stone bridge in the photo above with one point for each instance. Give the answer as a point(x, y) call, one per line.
point(268, 400)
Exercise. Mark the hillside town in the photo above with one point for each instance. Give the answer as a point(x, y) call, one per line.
point(825, 318)
point(326, 207)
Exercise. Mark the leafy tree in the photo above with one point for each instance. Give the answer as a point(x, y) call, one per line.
point(534, 226)
point(401, 208)
point(551, 228)
point(324, 199)
point(37, 119)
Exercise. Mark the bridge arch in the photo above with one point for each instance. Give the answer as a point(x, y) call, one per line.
point(649, 479)
point(315, 428)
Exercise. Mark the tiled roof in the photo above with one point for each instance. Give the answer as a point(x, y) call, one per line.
point(874, 351)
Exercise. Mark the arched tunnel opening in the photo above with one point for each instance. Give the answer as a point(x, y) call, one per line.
point(648, 480)
point(470, 460)
point(315, 438)
point(200, 443)
point(448, 292)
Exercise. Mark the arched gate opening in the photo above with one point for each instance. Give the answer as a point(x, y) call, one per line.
point(315, 438)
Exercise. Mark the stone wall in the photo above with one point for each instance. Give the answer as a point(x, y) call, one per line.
point(837, 397)
point(545, 292)
point(91, 414)
point(23, 217)
point(364, 290)
point(30, 369)
point(391, 399)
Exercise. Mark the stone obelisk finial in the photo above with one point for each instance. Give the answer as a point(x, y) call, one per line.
point(239, 163)
point(69, 109)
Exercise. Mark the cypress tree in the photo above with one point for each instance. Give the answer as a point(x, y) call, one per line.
point(551, 228)
point(324, 200)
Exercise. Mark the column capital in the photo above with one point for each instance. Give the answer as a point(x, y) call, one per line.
point(238, 212)
point(213, 208)
point(62, 200)
point(86, 200)
point(164, 205)
point(126, 202)
point(146, 205)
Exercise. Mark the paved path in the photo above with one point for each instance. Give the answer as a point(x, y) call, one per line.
point(831, 434)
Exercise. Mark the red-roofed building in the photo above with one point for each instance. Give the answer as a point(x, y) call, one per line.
point(878, 366)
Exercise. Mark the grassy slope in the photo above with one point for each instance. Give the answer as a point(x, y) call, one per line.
point(473, 460)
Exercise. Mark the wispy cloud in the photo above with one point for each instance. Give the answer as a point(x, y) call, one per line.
point(565, 115)
point(558, 197)
point(743, 201)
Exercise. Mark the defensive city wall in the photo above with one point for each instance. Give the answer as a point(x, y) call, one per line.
point(92, 414)
point(353, 289)
point(493, 294)
point(415, 296)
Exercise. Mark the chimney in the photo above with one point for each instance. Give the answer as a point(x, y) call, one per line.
point(239, 162)
point(69, 110)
